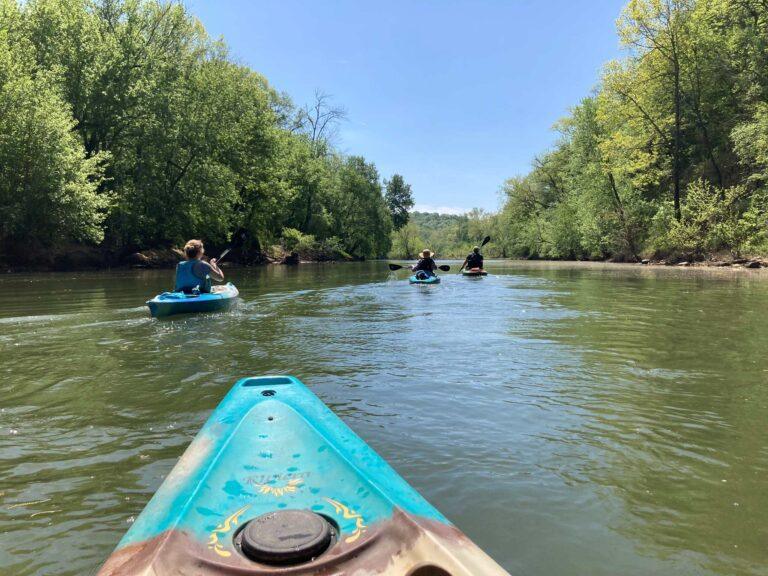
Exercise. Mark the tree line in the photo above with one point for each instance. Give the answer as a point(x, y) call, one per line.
point(448, 235)
point(668, 157)
point(123, 124)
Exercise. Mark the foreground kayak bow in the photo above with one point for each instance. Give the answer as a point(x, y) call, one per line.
point(276, 483)
point(171, 303)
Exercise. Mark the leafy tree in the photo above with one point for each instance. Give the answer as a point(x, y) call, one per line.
point(48, 188)
point(657, 31)
point(156, 135)
point(406, 242)
point(361, 218)
point(399, 200)
point(668, 157)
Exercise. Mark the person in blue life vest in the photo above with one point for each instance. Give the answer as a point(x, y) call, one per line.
point(194, 275)
point(426, 266)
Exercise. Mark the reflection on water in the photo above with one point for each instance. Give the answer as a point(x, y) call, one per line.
point(572, 420)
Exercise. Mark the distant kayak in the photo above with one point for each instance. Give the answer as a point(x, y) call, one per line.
point(474, 272)
point(171, 303)
point(276, 483)
point(428, 280)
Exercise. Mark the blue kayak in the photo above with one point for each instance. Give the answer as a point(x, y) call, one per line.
point(275, 483)
point(172, 303)
point(428, 280)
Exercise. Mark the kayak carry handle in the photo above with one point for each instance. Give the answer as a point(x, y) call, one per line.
point(267, 381)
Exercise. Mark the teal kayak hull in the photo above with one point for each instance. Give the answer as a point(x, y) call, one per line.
point(173, 303)
point(430, 280)
point(271, 446)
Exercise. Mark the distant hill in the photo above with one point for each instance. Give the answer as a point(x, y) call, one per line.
point(433, 221)
point(445, 234)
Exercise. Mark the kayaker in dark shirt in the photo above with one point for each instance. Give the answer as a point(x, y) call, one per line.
point(426, 266)
point(474, 260)
point(194, 274)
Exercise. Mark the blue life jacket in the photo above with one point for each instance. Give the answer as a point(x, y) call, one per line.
point(187, 280)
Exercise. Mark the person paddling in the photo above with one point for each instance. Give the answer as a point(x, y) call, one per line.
point(193, 274)
point(426, 266)
point(474, 260)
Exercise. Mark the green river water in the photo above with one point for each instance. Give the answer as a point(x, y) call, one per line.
point(571, 419)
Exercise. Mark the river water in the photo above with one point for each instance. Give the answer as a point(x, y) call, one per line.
point(571, 419)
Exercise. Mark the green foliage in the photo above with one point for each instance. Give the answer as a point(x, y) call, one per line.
point(309, 248)
point(127, 122)
point(448, 235)
point(48, 187)
point(399, 200)
point(295, 241)
point(669, 157)
point(121, 121)
point(360, 215)
point(406, 242)
point(692, 235)
point(712, 220)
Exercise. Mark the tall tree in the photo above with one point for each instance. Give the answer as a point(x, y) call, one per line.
point(48, 188)
point(399, 200)
point(361, 216)
point(320, 122)
point(406, 241)
point(656, 31)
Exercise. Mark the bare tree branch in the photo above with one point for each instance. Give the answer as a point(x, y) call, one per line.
point(320, 121)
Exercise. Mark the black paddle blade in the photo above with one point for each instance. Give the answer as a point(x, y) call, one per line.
point(485, 241)
point(444, 268)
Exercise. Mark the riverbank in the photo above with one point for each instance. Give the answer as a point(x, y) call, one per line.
point(753, 263)
point(78, 257)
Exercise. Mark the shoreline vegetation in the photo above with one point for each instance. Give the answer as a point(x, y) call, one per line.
point(129, 130)
point(91, 259)
point(126, 130)
point(666, 160)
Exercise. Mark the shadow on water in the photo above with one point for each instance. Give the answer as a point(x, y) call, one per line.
point(570, 419)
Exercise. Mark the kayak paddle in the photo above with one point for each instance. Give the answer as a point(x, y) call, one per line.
point(483, 243)
point(393, 267)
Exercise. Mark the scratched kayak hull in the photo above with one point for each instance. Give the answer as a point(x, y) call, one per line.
point(474, 272)
point(427, 281)
point(172, 303)
point(271, 446)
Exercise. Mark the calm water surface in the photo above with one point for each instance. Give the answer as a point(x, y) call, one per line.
point(572, 420)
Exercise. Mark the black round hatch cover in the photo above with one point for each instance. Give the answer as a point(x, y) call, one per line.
point(286, 537)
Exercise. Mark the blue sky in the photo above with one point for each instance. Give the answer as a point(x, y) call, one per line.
point(456, 96)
